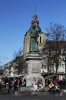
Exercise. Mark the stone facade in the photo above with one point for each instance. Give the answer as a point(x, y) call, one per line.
point(26, 44)
point(41, 41)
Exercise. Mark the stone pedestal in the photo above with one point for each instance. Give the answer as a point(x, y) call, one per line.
point(33, 68)
point(30, 77)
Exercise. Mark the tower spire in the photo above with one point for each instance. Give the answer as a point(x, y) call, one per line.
point(35, 10)
point(36, 3)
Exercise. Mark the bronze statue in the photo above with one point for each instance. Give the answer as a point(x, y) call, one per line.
point(34, 31)
point(33, 40)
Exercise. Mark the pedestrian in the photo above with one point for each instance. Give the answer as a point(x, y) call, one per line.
point(57, 89)
point(34, 84)
point(40, 84)
point(51, 88)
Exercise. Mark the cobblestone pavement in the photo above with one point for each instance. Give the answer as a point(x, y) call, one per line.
point(31, 97)
point(27, 95)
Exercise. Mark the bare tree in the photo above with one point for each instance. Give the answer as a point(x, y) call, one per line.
point(56, 32)
point(19, 59)
point(21, 64)
point(56, 35)
point(19, 53)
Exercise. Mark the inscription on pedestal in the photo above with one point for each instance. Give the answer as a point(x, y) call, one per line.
point(36, 68)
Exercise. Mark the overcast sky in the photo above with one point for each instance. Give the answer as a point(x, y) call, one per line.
point(15, 20)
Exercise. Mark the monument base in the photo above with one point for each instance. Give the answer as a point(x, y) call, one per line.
point(29, 79)
point(33, 68)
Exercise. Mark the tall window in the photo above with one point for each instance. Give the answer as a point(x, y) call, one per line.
point(40, 39)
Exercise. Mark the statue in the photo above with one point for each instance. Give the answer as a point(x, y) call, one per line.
point(33, 40)
point(34, 31)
